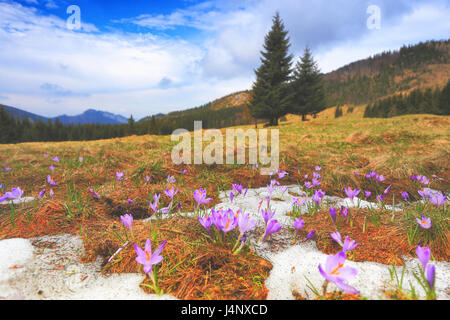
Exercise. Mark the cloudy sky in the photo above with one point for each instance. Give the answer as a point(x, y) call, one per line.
point(143, 57)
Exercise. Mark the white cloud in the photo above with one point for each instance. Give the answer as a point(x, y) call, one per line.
point(52, 70)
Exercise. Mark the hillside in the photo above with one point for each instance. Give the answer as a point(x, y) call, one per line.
point(21, 114)
point(424, 65)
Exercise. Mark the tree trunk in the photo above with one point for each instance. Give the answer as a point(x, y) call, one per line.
point(303, 117)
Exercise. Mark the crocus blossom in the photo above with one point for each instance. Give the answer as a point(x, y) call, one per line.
point(438, 199)
point(146, 257)
point(200, 196)
point(318, 168)
point(127, 220)
point(56, 159)
point(349, 244)
point(344, 211)
point(351, 193)
point(51, 181)
point(405, 195)
point(336, 273)
point(336, 236)
point(272, 227)
point(206, 222)
point(171, 192)
point(41, 194)
point(119, 175)
point(367, 193)
point(52, 167)
point(423, 254)
point(311, 234)
point(333, 214)
point(430, 275)
point(245, 223)
point(95, 194)
point(425, 222)
point(147, 179)
point(298, 223)
point(267, 214)
point(171, 179)
point(14, 194)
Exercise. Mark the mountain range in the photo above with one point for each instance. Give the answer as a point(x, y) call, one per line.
point(87, 117)
point(423, 65)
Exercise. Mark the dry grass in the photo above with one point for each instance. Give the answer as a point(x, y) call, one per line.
point(195, 268)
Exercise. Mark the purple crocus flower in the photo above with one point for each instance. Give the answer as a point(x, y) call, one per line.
point(423, 254)
point(380, 178)
point(228, 221)
point(14, 194)
point(206, 222)
point(80, 159)
point(430, 275)
point(438, 199)
point(412, 177)
point(333, 214)
point(425, 194)
point(349, 244)
point(316, 182)
point(56, 159)
point(51, 193)
point(425, 222)
point(344, 211)
point(41, 194)
point(94, 193)
point(119, 175)
point(356, 173)
point(200, 196)
point(155, 205)
point(281, 174)
point(272, 227)
point(405, 195)
point(367, 193)
point(231, 196)
point(51, 181)
point(386, 191)
point(336, 273)
point(371, 175)
point(146, 257)
point(237, 188)
point(299, 201)
point(423, 179)
point(129, 201)
point(171, 179)
point(308, 184)
point(267, 214)
point(7, 169)
point(127, 220)
point(147, 179)
point(52, 167)
point(380, 197)
point(245, 223)
point(171, 192)
point(351, 193)
point(298, 223)
point(318, 168)
point(45, 155)
point(311, 234)
point(336, 236)
point(245, 192)
point(318, 196)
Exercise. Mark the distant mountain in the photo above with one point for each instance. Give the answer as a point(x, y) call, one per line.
point(21, 114)
point(88, 117)
point(93, 116)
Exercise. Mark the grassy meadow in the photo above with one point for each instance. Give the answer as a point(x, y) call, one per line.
point(197, 267)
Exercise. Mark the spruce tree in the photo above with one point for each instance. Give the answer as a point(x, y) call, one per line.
point(307, 87)
point(271, 96)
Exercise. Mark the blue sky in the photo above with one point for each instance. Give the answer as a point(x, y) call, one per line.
point(144, 57)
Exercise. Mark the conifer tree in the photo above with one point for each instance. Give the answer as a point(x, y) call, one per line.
point(271, 96)
point(307, 87)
